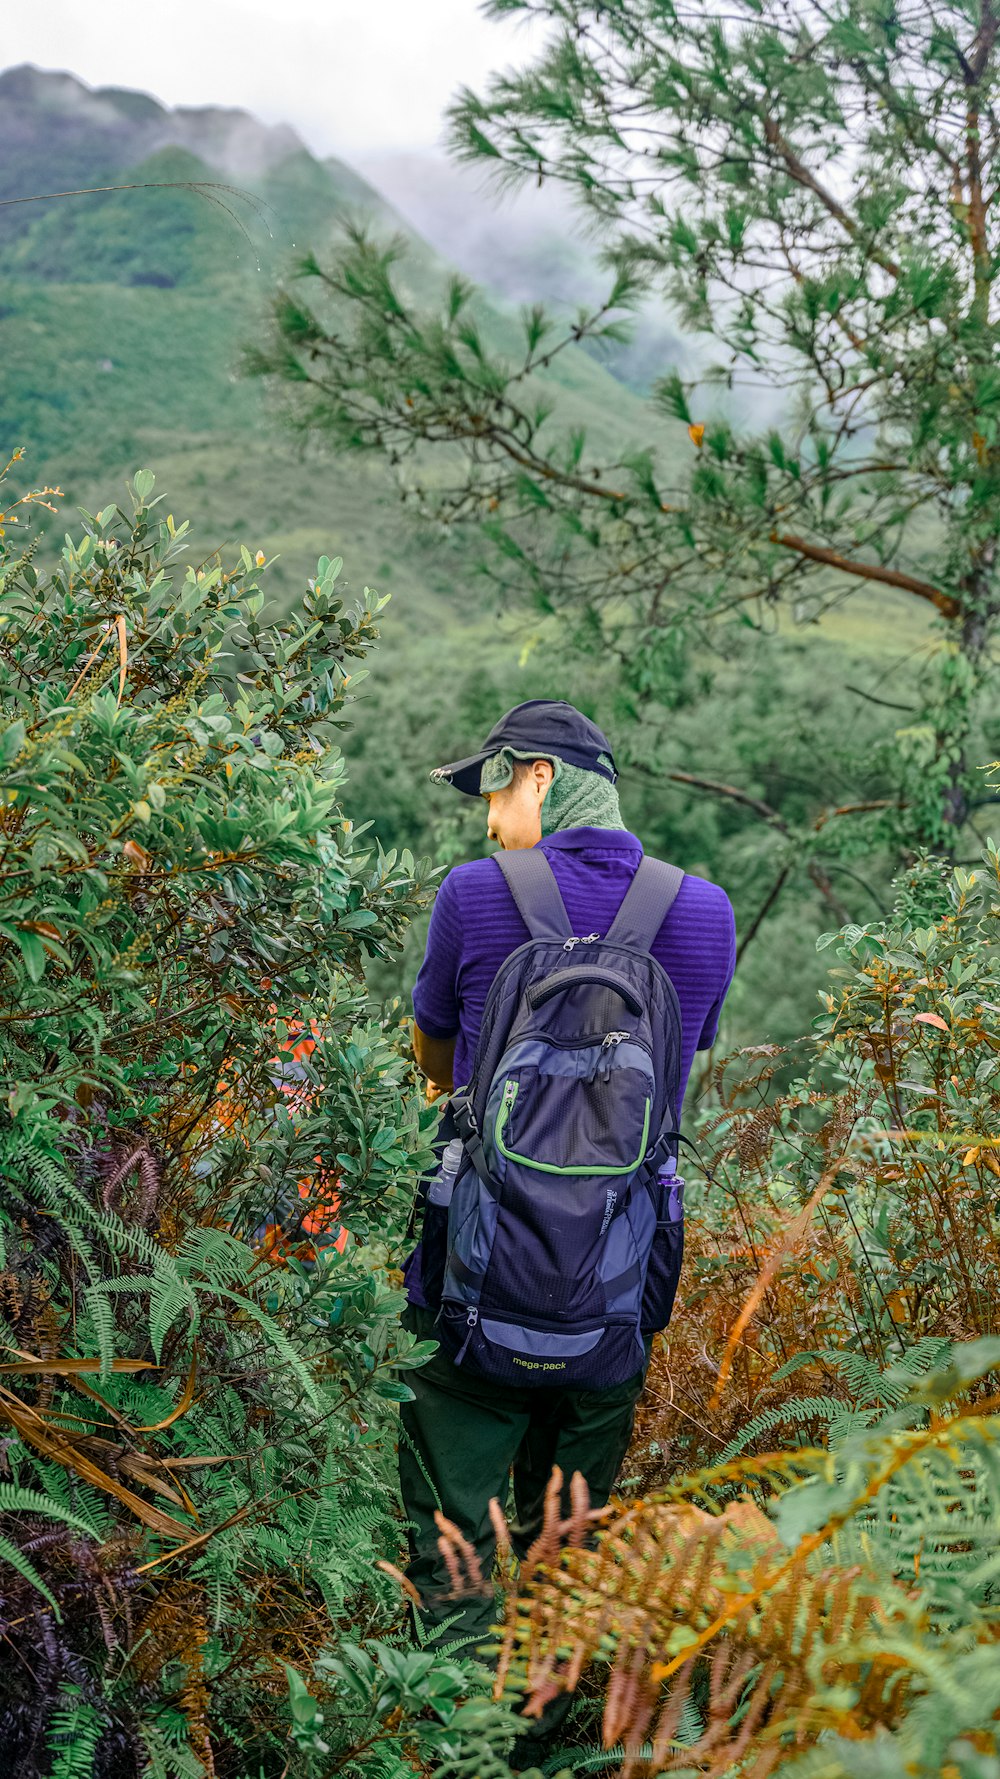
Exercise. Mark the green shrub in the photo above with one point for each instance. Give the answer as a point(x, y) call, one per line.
point(195, 1469)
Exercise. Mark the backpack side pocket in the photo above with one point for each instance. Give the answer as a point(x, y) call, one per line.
point(434, 1233)
point(666, 1254)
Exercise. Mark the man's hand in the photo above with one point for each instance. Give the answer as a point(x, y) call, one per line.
point(435, 1057)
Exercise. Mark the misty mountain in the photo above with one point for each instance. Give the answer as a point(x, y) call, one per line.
point(57, 134)
point(88, 130)
point(124, 315)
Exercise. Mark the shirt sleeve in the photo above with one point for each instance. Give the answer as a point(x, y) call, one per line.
point(435, 992)
point(710, 1029)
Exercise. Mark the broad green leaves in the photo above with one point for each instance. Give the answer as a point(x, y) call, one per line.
point(199, 1102)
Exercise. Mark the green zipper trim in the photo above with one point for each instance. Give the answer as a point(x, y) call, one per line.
point(549, 1167)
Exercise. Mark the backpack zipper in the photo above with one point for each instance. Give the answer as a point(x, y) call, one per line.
point(483, 1043)
point(537, 1325)
point(529, 945)
point(608, 1049)
point(581, 939)
point(470, 1328)
point(504, 1111)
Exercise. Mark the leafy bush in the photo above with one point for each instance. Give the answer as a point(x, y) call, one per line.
point(195, 1473)
point(199, 1373)
point(892, 1108)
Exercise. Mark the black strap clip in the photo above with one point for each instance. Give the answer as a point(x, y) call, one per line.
point(464, 1116)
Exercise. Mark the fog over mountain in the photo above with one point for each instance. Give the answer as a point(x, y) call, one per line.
point(126, 314)
point(532, 245)
point(535, 245)
point(528, 244)
point(523, 247)
point(56, 132)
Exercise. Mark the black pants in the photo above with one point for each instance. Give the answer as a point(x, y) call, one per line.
point(468, 1434)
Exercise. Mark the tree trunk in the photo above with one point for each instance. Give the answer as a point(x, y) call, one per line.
point(975, 630)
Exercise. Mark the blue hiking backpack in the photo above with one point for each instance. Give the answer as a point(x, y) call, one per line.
point(552, 1232)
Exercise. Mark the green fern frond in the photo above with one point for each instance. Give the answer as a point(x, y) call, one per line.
point(218, 1255)
point(796, 1410)
point(170, 1296)
point(103, 1323)
point(74, 1732)
point(9, 1553)
point(15, 1499)
point(278, 1340)
point(168, 1760)
point(874, 1386)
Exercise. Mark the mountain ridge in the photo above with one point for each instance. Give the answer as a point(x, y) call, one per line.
point(123, 316)
point(111, 119)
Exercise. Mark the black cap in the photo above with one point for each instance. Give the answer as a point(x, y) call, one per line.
point(550, 726)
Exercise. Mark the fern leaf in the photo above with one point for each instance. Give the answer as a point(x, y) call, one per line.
point(279, 1341)
point(170, 1296)
point(15, 1499)
point(103, 1322)
point(798, 1409)
point(73, 1735)
point(218, 1255)
point(9, 1553)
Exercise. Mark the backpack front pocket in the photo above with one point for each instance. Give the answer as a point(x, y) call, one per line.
point(513, 1350)
point(565, 1131)
point(552, 1118)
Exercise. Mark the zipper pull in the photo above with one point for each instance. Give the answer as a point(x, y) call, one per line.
point(590, 939)
point(612, 1039)
point(471, 1320)
point(569, 944)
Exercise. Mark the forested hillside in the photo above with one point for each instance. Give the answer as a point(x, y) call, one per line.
point(124, 318)
point(125, 315)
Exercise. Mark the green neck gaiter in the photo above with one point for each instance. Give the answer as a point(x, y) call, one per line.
point(576, 798)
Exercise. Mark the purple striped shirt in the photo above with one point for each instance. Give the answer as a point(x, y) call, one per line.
point(475, 925)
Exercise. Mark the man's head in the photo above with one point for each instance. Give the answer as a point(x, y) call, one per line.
point(514, 813)
point(543, 766)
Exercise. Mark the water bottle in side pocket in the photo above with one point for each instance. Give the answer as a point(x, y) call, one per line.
point(434, 1236)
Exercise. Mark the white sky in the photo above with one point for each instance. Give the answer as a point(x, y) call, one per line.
point(355, 77)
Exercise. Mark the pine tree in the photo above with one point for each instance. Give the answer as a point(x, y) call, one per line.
point(814, 189)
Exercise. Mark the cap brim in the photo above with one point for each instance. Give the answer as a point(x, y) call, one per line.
point(464, 775)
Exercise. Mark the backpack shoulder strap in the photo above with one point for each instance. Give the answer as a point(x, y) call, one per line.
point(532, 884)
point(648, 900)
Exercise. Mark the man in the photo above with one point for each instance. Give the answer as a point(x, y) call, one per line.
point(548, 778)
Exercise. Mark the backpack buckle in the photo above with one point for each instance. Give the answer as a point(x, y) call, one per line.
point(465, 1118)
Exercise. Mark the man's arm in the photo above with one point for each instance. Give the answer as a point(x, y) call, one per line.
point(711, 1026)
point(435, 993)
point(436, 1058)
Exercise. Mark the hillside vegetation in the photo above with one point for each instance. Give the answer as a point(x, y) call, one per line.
point(124, 318)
